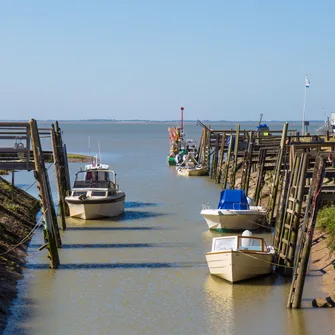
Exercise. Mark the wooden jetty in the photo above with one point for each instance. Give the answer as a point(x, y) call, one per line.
point(26, 153)
point(293, 167)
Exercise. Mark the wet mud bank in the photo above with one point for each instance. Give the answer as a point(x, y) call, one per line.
point(323, 260)
point(18, 211)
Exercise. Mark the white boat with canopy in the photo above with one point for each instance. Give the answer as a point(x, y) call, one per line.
point(95, 193)
point(234, 213)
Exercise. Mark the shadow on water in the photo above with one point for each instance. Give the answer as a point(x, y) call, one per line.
point(21, 311)
point(115, 228)
point(136, 204)
point(119, 245)
point(268, 280)
point(135, 215)
point(89, 266)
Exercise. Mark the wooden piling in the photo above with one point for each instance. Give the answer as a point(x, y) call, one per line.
point(305, 245)
point(227, 162)
point(233, 174)
point(219, 172)
point(51, 226)
point(273, 195)
point(59, 179)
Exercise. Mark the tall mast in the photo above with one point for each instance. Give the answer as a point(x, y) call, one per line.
point(182, 121)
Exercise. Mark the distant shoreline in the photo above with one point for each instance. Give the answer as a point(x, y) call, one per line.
point(100, 121)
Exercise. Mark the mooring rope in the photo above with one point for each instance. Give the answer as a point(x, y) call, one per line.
point(24, 239)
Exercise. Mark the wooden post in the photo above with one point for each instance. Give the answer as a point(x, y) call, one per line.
point(219, 173)
point(59, 179)
point(227, 162)
point(260, 176)
point(46, 199)
point(233, 174)
point(297, 286)
point(208, 151)
point(214, 167)
point(248, 172)
point(273, 196)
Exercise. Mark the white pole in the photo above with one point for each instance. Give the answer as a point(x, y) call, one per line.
point(303, 111)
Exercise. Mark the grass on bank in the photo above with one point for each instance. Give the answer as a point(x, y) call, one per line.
point(78, 158)
point(326, 221)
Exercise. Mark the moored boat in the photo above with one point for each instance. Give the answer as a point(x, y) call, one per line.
point(234, 213)
point(95, 193)
point(191, 167)
point(236, 258)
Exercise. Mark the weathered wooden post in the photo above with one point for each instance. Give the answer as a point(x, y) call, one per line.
point(273, 195)
point(227, 162)
point(59, 179)
point(249, 163)
point(64, 165)
point(51, 226)
point(300, 269)
point(260, 176)
point(233, 174)
point(219, 173)
point(214, 167)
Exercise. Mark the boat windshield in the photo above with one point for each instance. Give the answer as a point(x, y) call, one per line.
point(251, 243)
point(224, 243)
point(95, 179)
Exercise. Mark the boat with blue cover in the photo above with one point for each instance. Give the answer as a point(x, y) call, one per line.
point(234, 213)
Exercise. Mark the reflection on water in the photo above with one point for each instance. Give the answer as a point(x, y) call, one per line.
point(145, 272)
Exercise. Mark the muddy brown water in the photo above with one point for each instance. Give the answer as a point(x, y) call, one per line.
point(145, 272)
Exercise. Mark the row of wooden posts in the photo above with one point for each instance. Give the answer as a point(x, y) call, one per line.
point(296, 166)
point(29, 155)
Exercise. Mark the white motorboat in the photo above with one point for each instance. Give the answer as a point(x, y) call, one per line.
point(191, 167)
point(234, 213)
point(236, 258)
point(95, 193)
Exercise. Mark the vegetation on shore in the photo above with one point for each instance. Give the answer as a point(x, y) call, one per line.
point(78, 158)
point(326, 221)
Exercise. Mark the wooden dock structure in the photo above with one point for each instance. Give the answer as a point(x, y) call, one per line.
point(21, 149)
point(293, 168)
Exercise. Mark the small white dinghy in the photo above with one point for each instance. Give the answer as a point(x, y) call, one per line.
point(190, 167)
point(95, 193)
point(234, 213)
point(236, 258)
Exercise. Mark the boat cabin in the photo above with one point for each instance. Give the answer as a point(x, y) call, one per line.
point(239, 243)
point(95, 181)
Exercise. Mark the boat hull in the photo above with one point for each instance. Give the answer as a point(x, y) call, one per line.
point(191, 172)
point(235, 266)
point(171, 161)
point(90, 209)
point(233, 220)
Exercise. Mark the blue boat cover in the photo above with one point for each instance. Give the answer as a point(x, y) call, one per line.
point(262, 126)
point(233, 199)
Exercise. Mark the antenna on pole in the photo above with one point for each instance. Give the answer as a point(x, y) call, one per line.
point(89, 146)
point(260, 119)
point(304, 108)
point(99, 151)
point(182, 121)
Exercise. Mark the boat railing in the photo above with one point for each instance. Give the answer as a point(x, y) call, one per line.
point(206, 206)
point(93, 184)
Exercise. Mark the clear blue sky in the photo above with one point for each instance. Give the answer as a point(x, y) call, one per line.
point(143, 59)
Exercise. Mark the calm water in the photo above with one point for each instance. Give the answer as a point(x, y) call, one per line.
point(145, 273)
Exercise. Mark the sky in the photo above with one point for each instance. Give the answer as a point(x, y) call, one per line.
point(144, 59)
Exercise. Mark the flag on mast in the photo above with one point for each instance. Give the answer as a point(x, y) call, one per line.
point(307, 83)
